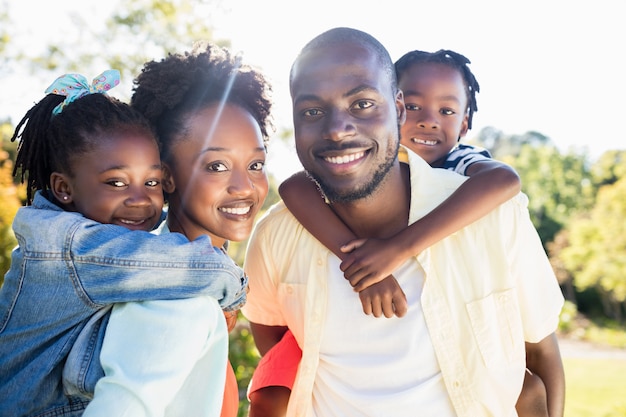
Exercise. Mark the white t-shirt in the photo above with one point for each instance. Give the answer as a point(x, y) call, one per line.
point(397, 353)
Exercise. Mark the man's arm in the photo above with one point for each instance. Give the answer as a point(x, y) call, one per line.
point(544, 360)
point(265, 337)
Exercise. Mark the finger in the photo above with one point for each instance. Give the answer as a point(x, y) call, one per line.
point(388, 308)
point(377, 308)
point(366, 303)
point(366, 281)
point(352, 245)
point(354, 277)
point(400, 305)
point(346, 263)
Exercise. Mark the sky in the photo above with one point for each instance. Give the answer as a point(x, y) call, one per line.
point(555, 67)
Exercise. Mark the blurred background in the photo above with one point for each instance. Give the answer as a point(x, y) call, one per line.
point(551, 104)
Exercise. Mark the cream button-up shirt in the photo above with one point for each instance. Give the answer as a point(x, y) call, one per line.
point(488, 288)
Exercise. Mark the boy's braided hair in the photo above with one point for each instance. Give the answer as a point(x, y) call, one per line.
point(451, 59)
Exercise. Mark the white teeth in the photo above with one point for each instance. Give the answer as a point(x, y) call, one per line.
point(133, 222)
point(424, 142)
point(345, 158)
point(237, 210)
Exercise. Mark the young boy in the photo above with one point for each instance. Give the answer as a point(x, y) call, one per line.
point(440, 99)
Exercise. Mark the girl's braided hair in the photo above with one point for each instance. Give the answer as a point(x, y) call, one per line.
point(50, 143)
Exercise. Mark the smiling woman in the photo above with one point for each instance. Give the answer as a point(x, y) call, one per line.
point(91, 164)
point(213, 129)
point(215, 178)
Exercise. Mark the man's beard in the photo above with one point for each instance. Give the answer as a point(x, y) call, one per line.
point(336, 196)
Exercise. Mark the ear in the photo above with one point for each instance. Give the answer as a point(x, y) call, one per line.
point(464, 126)
point(168, 180)
point(400, 107)
point(61, 187)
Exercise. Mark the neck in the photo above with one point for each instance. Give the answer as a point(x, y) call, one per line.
point(385, 212)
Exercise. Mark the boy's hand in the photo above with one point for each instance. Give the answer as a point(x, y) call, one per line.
point(385, 297)
point(369, 261)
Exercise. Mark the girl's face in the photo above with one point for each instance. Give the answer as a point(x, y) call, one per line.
point(118, 182)
point(216, 175)
point(436, 110)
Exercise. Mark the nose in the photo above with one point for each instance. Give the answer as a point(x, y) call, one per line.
point(240, 184)
point(138, 197)
point(428, 119)
point(338, 126)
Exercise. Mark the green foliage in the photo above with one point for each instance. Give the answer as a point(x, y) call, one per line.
point(134, 33)
point(610, 167)
point(11, 196)
point(596, 256)
point(558, 186)
point(501, 145)
point(244, 357)
point(157, 27)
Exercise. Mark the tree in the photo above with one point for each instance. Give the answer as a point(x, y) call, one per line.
point(610, 167)
point(558, 186)
point(135, 32)
point(501, 145)
point(596, 256)
point(11, 197)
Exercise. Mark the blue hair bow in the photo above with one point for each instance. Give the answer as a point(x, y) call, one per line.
point(74, 86)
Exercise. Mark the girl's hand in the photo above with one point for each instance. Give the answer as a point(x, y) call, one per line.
point(231, 319)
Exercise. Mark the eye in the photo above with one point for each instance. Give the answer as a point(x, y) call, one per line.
point(447, 112)
point(257, 166)
point(153, 183)
point(363, 105)
point(216, 167)
point(312, 113)
point(116, 183)
point(412, 107)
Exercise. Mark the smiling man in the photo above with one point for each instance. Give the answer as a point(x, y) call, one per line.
point(474, 298)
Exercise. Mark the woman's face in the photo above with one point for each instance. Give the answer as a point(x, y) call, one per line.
point(216, 175)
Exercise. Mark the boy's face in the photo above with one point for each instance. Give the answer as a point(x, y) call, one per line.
point(436, 110)
point(217, 175)
point(118, 182)
point(346, 119)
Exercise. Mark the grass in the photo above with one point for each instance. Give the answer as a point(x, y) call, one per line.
point(595, 387)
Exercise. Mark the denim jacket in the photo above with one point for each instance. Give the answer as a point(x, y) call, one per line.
point(65, 270)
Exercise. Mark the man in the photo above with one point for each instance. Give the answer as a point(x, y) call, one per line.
point(474, 299)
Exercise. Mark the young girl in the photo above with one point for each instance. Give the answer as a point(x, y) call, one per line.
point(94, 191)
point(440, 99)
point(213, 129)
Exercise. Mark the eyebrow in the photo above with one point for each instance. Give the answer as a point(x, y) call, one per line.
point(349, 93)
point(446, 98)
point(123, 167)
point(220, 149)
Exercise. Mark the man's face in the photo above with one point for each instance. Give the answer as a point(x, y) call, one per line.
point(346, 119)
